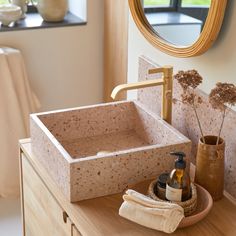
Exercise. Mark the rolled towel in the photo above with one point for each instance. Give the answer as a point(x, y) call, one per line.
point(162, 216)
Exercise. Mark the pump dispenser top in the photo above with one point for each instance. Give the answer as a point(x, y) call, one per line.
point(180, 163)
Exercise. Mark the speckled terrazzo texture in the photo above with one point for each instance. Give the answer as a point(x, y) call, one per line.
point(90, 146)
point(49, 152)
point(112, 174)
point(184, 120)
point(138, 141)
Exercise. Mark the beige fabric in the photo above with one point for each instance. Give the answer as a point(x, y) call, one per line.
point(16, 102)
point(162, 216)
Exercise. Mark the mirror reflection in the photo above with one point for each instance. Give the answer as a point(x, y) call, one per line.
point(179, 22)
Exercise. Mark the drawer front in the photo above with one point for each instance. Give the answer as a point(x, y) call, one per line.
point(42, 214)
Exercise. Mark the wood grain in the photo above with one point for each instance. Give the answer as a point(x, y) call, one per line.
point(210, 166)
point(115, 46)
point(205, 41)
point(100, 216)
point(42, 214)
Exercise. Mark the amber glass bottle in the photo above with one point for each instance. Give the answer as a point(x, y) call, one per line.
point(178, 184)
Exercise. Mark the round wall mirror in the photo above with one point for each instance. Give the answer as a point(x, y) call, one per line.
point(181, 28)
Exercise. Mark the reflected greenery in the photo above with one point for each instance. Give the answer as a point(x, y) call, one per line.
point(184, 2)
point(4, 1)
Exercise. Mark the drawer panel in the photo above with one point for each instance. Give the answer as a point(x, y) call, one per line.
point(42, 214)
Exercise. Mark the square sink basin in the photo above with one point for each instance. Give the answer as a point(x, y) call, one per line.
point(99, 150)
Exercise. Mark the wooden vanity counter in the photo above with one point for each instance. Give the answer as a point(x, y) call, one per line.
point(97, 216)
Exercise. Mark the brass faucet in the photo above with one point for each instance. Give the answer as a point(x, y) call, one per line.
point(167, 89)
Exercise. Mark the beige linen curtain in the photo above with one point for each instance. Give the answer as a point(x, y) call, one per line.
point(17, 101)
point(115, 46)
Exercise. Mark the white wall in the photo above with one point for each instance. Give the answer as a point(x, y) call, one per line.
point(217, 64)
point(79, 8)
point(65, 65)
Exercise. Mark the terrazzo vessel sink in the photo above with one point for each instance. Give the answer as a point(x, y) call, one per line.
point(99, 150)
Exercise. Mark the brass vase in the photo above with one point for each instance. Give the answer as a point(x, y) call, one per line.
point(210, 166)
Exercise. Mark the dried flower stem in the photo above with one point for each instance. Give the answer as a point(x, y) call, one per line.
point(221, 126)
point(198, 120)
point(199, 123)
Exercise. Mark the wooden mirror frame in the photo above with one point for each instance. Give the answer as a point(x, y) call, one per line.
point(206, 39)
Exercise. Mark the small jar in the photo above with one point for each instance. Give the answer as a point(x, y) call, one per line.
point(161, 186)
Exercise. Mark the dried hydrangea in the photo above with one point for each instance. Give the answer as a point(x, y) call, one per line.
point(191, 98)
point(188, 79)
point(188, 98)
point(223, 94)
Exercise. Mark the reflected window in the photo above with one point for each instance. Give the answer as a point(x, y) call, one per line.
point(194, 8)
point(157, 3)
point(195, 3)
point(179, 22)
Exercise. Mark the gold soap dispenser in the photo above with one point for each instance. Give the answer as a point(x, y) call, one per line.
point(178, 187)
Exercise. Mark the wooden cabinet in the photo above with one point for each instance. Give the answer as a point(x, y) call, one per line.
point(42, 214)
point(47, 212)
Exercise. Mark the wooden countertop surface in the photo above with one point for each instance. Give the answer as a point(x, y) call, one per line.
point(100, 216)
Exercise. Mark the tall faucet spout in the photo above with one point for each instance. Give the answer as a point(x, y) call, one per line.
point(131, 86)
point(167, 89)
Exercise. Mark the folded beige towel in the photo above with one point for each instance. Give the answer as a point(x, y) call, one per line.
point(162, 216)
